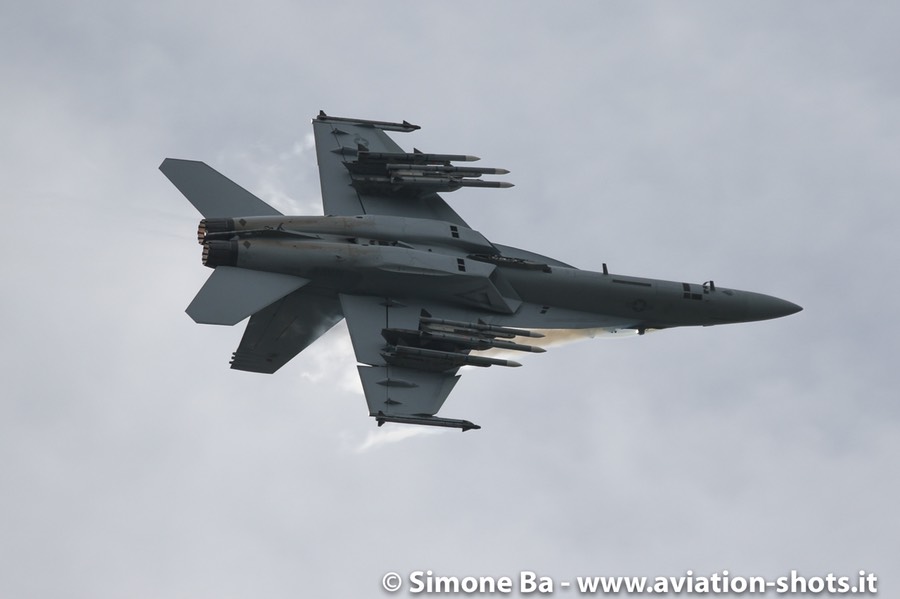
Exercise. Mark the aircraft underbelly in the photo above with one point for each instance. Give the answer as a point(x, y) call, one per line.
point(577, 296)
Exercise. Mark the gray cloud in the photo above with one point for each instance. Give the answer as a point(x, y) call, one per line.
point(752, 144)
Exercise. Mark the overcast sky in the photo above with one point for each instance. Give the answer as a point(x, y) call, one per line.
point(754, 143)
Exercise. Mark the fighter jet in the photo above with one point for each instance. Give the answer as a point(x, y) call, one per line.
point(422, 292)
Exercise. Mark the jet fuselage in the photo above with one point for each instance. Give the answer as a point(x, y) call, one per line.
point(397, 257)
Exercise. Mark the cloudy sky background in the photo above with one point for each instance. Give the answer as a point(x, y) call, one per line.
point(755, 144)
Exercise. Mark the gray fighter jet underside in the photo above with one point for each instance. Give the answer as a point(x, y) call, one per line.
point(422, 292)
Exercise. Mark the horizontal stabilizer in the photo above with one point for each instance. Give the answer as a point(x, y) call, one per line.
point(212, 193)
point(279, 332)
point(232, 294)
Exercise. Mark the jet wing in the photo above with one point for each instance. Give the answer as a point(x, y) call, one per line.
point(363, 171)
point(410, 353)
point(280, 331)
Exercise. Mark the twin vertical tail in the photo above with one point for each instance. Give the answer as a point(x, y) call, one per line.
point(212, 193)
point(230, 294)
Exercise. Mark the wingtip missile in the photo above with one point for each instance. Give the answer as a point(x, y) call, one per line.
point(404, 127)
point(463, 425)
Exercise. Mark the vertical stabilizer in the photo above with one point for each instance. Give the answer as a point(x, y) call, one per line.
point(212, 193)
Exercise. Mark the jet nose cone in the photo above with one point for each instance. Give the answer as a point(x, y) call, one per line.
point(765, 307)
point(791, 308)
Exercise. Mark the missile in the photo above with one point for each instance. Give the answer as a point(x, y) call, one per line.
point(423, 183)
point(403, 127)
point(493, 184)
point(462, 171)
point(464, 425)
point(479, 326)
point(454, 358)
point(476, 341)
point(413, 171)
point(429, 182)
point(482, 343)
point(447, 183)
point(415, 158)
